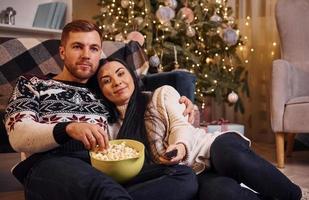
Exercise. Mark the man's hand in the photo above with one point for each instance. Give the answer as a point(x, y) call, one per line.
point(91, 135)
point(189, 108)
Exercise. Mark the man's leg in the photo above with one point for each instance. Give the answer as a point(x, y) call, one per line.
point(232, 157)
point(157, 182)
point(63, 178)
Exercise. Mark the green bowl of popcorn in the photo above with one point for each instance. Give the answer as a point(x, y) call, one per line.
point(122, 161)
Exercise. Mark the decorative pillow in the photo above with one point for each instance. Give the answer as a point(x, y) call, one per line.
point(25, 56)
point(131, 52)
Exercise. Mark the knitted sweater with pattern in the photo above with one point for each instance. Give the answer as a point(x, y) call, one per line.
point(39, 109)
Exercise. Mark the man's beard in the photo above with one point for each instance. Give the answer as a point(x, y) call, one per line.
point(79, 73)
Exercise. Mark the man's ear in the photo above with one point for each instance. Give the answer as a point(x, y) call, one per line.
point(61, 52)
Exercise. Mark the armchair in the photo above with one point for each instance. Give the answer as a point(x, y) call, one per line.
point(35, 56)
point(290, 76)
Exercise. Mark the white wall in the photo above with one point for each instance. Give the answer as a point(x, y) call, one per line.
point(25, 10)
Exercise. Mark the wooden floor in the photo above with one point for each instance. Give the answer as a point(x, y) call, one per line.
point(297, 169)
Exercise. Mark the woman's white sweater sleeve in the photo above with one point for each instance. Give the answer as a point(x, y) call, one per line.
point(179, 129)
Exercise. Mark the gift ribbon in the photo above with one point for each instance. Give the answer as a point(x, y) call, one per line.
point(222, 122)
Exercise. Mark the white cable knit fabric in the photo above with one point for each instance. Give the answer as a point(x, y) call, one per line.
point(166, 125)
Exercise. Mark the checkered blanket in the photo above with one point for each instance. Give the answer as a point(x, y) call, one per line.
point(22, 56)
point(131, 52)
point(34, 56)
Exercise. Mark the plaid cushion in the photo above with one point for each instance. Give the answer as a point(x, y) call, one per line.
point(131, 52)
point(25, 56)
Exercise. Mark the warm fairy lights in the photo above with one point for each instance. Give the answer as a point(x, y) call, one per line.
point(197, 50)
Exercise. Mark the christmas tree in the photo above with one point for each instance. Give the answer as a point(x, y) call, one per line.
point(200, 36)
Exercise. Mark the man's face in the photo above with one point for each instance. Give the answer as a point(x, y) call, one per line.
point(81, 54)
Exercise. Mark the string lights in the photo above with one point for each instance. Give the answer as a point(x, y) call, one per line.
point(199, 36)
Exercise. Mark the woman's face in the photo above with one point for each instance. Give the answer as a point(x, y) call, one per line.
point(116, 83)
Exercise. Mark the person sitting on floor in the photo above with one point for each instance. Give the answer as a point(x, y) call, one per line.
point(222, 160)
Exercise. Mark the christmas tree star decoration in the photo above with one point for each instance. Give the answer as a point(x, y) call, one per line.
point(199, 36)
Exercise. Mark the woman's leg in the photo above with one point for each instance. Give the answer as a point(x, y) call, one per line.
point(215, 187)
point(157, 182)
point(231, 156)
point(63, 178)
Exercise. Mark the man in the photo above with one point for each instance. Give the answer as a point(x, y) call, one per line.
point(56, 119)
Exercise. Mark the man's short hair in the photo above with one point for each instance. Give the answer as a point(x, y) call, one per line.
point(79, 26)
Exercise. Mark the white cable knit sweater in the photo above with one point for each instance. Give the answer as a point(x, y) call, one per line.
point(166, 125)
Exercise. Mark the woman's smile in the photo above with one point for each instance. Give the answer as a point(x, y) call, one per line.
point(120, 90)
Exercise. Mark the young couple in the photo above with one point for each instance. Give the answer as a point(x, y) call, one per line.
point(57, 119)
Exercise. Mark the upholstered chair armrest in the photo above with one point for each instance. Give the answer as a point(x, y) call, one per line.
point(287, 82)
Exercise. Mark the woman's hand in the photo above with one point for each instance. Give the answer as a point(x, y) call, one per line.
point(92, 136)
point(181, 154)
point(189, 108)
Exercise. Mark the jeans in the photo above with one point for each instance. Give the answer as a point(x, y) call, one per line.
point(65, 176)
point(232, 163)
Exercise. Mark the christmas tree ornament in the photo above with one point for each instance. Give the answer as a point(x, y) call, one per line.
point(119, 37)
point(232, 97)
point(175, 58)
point(138, 20)
point(215, 18)
point(125, 3)
point(164, 14)
point(186, 14)
point(136, 36)
point(154, 61)
point(190, 32)
point(230, 36)
point(103, 10)
point(171, 3)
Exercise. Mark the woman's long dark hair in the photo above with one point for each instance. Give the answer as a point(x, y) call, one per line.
point(133, 126)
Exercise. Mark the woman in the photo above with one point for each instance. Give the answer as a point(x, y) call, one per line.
point(221, 160)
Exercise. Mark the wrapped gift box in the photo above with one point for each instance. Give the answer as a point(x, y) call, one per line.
point(225, 127)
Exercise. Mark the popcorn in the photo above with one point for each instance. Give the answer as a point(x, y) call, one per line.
point(116, 152)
